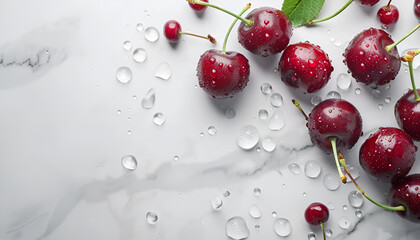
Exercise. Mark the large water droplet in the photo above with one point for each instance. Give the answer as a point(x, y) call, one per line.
point(266, 88)
point(276, 122)
point(159, 119)
point(163, 71)
point(343, 81)
point(354, 171)
point(127, 45)
point(276, 100)
point(268, 144)
point(255, 211)
point(331, 182)
point(311, 236)
point(216, 202)
point(139, 55)
point(294, 168)
point(247, 137)
point(333, 94)
point(263, 114)
point(315, 100)
point(230, 113)
point(355, 199)
point(358, 213)
point(212, 130)
point(344, 223)
point(148, 101)
point(282, 227)
point(129, 162)
point(124, 74)
point(139, 27)
point(151, 34)
point(236, 228)
point(151, 217)
point(328, 233)
point(416, 60)
point(387, 99)
point(312, 169)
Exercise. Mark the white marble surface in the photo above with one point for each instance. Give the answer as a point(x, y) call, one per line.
point(62, 139)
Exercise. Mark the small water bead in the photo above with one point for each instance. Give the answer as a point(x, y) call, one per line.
point(344, 81)
point(376, 93)
point(119, 112)
point(127, 45)
point(355, 199)
point(212, 130)
point(163, 71)
point(416, 60)
point(124, 74)
point(129, 162)
point(268, 144)
point(358, 91)
point(338, 43)
point(255, 211)
point(294, 168)
point(333, 95)
point(226, 193)
point(387, 99)
point(332, 39)
point(236, 228)
point(151, 218)
point(247, 137)
point(139, 55)
point(304, 194)
point(216, 202)
point(330, 206)
point(344, 223)
point(358, 213)
point(201, 134)
point(176, 158)
point(276, 122)
point(159, 119)
point(148, 101)
point(331, 182)
point(258, 149)
point(312, 169)
point(151, 34)
point(311, 236)
point(380, 106)
point(345, 207)
point(274, 214)
point(129, 132)
point(257, 192)
point(328, 233)
point(266, 88)
point(282, 227)
point(276, 100)
point(230, 113)
point(315, 100)
point(139, 27)
point(263, 114)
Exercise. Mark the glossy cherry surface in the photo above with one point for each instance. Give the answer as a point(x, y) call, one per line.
point(316, 213)
point(388, 154)
point(406, 192)
point(221, 74)
point(171, 30)
point(198, 7)
point(334, 118)
point(407, 113)
point(305, 66)
point(388, 15)
point(416, 8)
point(269, 34)
point(368, 60)
point(367, 2)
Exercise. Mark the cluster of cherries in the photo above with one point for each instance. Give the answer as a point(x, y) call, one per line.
point(334, 124)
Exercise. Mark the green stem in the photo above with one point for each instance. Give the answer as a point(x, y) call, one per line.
point(416, 94)
point(334, 147)
point(335, 14)
point(246, 21)
point(231, 26)
point(391, 46)
point(323, 231)
point(297, 105)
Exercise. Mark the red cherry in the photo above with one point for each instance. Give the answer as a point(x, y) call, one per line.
point(417, 8)
point(367, 2)
point(406, 192)
point(305, 66)
point(407, 113)
point(198, 7)
point(222, 74)
point(171, 30)
point(388, 154)
point(316, 213)
point(368, 60)
point(269, 33)
point(388, 15)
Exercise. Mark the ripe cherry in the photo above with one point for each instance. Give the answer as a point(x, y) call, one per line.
point(172, 31)
point(305, 66)
point(416, 8)
point(406, 192)
point(198, 7)
point(388, 154)
point(407, 113)
point(367, 2)
point(388, 15)
point(317, 213)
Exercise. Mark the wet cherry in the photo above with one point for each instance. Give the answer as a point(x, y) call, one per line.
point(316, 213)
point(406, 192)
point(388, 15)
point(198, 7)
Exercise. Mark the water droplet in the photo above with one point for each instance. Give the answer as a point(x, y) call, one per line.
point(376, 93)
point(344, 207)
point(139, 55)
point(331, 182)
point(337, 43)
point(331, 206)
point(266, 88)
point(282, 227)
point(247, 137)
point(276, 100)
point(129, 162)
point(380, 106)
point(328, 233)
point(268, 144)
point(332, 39)
point(315, 100)
point(358, 91)
point(236, 228)
point(343, 81)
point(127, 45)
point(159, 119)
point(148, 101)
point(311, 236)
point(212, 130)
point(151, 217)
point(387, 99)
point(226, 193)
point(118, 112)
point(358, 213)
point(124, 74)
point(230, 113)
point(139, 27)
point(263, 114)
point(163, 71)
point(355, 199)
point(176, 158)
point(151, 34)
point(257, 192)
point(274, 214)
point(333, 94)
point(216, 202)
point(255, 211)
point(354, 171)
point(276, 122)
point(312, 169)
point(416, 60)
point(294, 168)
point(344, 223)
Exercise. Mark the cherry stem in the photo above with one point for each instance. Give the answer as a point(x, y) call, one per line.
point(416, 94)
point(391, 46)
point(389, 208)
point(297, 104)
point(334, 147)
point(246, 21)
point(322, 227)
point(389, 3)
point(335, 14)
point(209, 37)
point(231, 26)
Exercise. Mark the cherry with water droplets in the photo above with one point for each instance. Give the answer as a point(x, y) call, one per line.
point(407, 114)
point(388, 15)
point(198, 7)
point(406, 192)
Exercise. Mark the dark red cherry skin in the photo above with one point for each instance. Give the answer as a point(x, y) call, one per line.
point(417, 8)
point(334, 117)
point(305, 66)
point(171, 30)
point(198, 7)
point(269, 34)
point(368, 60)
point(222, 75)
point(367, 2)
point(406, 192)
point(407, 113)
point(388, 154)
point(316, 213)
point(388, 15)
